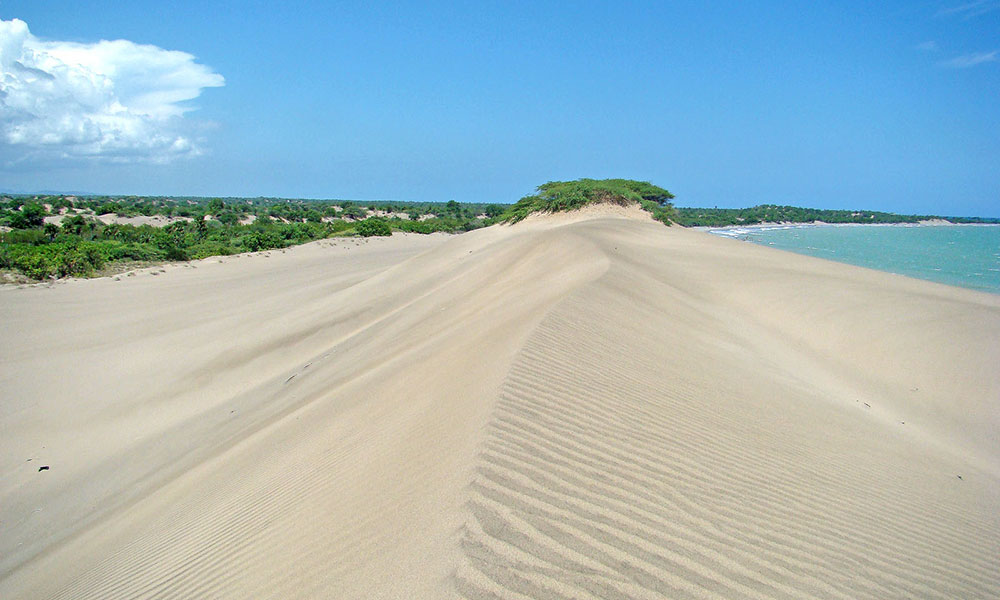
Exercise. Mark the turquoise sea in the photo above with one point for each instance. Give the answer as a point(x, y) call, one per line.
point(962, 255)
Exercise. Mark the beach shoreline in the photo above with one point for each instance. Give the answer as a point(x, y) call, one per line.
point(794, 225)
point(964, 255)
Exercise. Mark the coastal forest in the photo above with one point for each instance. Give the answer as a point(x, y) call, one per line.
point(51, 236)
point(44, 237)
point(773, 213)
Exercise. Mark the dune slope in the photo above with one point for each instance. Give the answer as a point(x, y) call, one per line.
point(578, 406)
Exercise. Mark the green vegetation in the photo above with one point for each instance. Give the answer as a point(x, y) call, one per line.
point(558, 196)
point(373, 226)
point(770, 213)
point(74, 242)
point(59, 236)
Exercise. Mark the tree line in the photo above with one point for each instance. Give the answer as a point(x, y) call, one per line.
point(773, 213)
point(58, 236)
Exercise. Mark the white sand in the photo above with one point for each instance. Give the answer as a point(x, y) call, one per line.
point(578, 406)
point(114, 219)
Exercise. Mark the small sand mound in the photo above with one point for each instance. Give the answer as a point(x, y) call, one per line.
point(590, 211)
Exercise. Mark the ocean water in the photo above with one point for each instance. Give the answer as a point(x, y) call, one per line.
point(962, 255)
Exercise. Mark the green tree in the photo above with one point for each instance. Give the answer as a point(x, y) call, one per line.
point(51, 230)
point(493, 210)
point(556, 196)
point(353, 212)
point(228, 217)
point(74, 225)
point(31, 215)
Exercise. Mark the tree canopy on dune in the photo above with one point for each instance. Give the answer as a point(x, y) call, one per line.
point(559, 196)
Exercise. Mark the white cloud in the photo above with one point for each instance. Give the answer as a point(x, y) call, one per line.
point(970, 10)
point(112, 100)
point(930, 46)
point(971, 60)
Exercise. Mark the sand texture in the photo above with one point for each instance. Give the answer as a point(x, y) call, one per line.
point(578, 406)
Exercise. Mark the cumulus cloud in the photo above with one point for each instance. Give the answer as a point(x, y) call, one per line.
point(112, 100)
point(971, 60)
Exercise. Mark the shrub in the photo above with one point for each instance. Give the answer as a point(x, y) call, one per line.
point(493, 210)
point(177, 253)
point(373, 227)
point(31, 215)
point(261, 240)
point(353, 212)
point(74, 224)
point(338, 226)
point(557, 196)
point(52, 260)
point(206, 249)
point(24, 236)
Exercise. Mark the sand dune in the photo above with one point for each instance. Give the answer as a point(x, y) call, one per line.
point(579, 406)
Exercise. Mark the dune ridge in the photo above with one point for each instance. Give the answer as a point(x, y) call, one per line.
point(584, 405)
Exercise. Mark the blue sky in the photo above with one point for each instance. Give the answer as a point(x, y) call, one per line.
point(890, 105)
